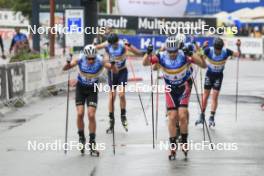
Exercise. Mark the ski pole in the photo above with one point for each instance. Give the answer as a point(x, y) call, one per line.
point(67, 111)
point(199, 102)
point(157, 106)
point(112, 89)
point(201, 84)
point(237, 77)
point(139, 96)
point(152, 101)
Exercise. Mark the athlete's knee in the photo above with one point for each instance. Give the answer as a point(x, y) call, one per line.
point(215, 96)
point(80, 114)
point(91, 117)
point(183, 115)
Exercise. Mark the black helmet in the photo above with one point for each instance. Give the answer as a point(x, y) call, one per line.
point(112, 38)
point(218, 43)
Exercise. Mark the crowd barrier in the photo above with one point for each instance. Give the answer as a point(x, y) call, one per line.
point(30, 77)
point(17, 79)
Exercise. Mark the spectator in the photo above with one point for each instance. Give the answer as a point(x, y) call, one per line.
point(2, 47)
point(19, 42)
point(257, 32)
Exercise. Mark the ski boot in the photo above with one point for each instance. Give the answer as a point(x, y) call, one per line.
point(200, 120)
point(173, 148)
point(111, 126)
point(124, 122)
point(211, 121)
point(184, 144)
point(82, 142)
point(93, 151)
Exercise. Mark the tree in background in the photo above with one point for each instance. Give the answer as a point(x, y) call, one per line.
point(23, 6)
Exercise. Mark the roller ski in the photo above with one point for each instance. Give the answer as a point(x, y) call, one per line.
point(82, 142)
point(185, 150)
point(124, 122)
point(211, 121)
point(93, 151)
point(200, 120)
point(111, 126)
point(173, 148)
point(184, 145)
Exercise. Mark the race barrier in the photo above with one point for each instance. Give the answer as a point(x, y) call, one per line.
point(17, 79)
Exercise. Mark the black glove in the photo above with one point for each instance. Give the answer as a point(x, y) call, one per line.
point(69, 58)
point(149, 49)
point(187, 52)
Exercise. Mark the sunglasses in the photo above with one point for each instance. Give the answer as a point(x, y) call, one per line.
point(91, 58)
point(172, 52)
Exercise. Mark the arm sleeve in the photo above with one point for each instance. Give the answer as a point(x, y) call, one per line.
point(155, 59)
point(123, 50)
point(206, 51)
point(229, 52)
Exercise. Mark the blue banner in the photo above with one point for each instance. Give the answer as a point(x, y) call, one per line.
point(142, 41)
point(233, 5)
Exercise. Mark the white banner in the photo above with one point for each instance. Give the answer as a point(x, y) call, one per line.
point(249, 45)
point(53, 72)
point(74, 21)
point(34, 75)
point(12, 19)
point(153, 8)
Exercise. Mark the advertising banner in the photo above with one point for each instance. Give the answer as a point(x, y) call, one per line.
point(249, 45)
point(152, 23)
point(166, 8)
point(53, 72)
point(16, 79)
point(34, 75)
point(142, 41)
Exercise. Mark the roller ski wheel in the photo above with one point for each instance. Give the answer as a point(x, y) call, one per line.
point(211, 121)
point(82, 142)
point(124, 123)
point(111, 127)
point(173, 148)
point(172, 155)
point(93, 151)
point(200, 120)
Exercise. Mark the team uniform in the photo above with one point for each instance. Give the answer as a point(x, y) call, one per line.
point(215, 67)
point(87, 78)
point(121, 77)
point(177, 74)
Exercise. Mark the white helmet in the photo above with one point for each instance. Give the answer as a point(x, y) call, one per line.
point(172, 43)
point(89, 51)
point(181, 37)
